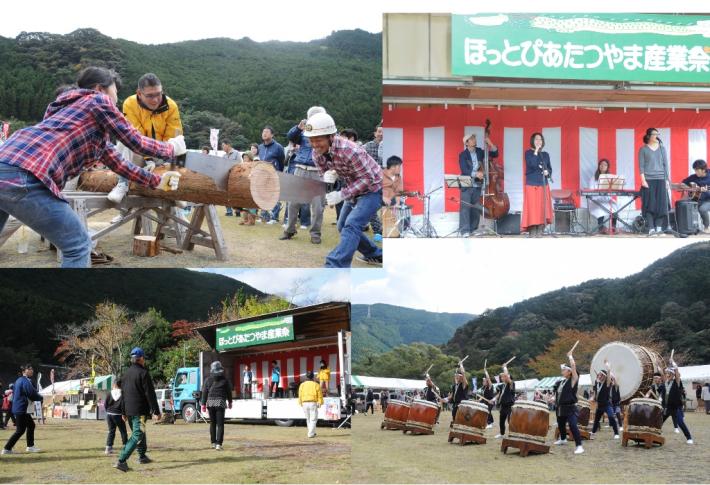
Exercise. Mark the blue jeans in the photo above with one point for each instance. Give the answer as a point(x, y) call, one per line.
point(26, 198)
point(598, 416)
point(353, 219)
point(273, 214)
point(563, 421)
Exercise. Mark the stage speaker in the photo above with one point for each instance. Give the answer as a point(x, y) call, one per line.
point(563, 221)
point(686, 217)
point(509, 224)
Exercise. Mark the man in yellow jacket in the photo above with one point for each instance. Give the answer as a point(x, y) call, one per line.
point(310, 398)
point(154, 115)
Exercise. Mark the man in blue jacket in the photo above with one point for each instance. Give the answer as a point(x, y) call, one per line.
point(24, 393)
point(306, 168)
point(273, 152)
point(471, 163)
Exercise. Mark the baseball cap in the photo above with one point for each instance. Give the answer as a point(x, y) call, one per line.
point(137, 352)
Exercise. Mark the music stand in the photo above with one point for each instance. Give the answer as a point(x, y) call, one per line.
point(458, 181)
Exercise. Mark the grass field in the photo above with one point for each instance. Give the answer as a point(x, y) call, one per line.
point(252, 246)
point(72, 452)
point(392, 457)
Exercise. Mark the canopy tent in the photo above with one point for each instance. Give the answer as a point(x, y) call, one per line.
point(103, 383)
point(695, 373)
point(548, 382)
point(389, 383)
point(526, 385)
point(63, 387)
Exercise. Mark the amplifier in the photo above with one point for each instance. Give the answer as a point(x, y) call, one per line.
point(509, 224)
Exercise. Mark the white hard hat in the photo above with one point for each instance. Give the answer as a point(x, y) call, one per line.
point(313, 110)
point(320, 124)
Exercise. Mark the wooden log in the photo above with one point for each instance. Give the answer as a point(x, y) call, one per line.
point(145, 246)
point(250, 185)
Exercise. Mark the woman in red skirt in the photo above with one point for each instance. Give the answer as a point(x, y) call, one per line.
point(537, 204)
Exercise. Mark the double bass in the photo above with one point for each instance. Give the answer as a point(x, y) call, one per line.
point(495, 201)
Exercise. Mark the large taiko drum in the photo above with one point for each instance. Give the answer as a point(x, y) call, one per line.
point(645, 416)
point(396, 415)
point(529, 422)
point(422, 417)
point(470, 422)
point(633, 365)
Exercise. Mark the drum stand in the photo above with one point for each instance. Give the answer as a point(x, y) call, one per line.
point(648, 439)
point(466, 438)
point(525, 447)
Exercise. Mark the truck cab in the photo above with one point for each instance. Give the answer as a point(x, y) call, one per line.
point(185, 390)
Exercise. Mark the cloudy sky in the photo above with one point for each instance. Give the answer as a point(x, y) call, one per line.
point(470, 276)
point(304, 286)
point(161, 22)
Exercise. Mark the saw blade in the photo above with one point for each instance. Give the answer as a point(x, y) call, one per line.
point(217, 168)
point(300, 189)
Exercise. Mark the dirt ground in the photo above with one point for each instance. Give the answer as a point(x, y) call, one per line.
point(248, 246)
point(382, 456)
point(72, 452)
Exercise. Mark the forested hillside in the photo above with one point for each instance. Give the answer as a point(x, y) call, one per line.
point(237, 86)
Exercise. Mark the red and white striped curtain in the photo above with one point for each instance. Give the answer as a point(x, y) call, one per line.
point(429, 140)
point(293, 365)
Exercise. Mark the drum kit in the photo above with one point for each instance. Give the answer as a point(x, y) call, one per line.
point(397, 219)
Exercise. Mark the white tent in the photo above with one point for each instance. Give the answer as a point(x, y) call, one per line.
point(62, 387)
point(389, 383)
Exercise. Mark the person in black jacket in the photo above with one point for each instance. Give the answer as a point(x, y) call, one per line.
point(471, 161)
point(602, 395)
point(489, 393)
point(23, 394)
point(565, 399)
point(370, 401)
point(458, 391)
point(114, 416)
point(139, 401)
point(215, 397)
point(674, 400)
point(506, 399)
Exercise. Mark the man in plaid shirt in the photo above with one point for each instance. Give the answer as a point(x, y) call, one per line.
point(36, 161)
point(361, 179)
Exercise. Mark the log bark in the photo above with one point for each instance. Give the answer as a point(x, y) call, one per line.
point(146, 246)
point(250, 185)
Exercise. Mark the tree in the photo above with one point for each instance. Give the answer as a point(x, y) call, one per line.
point(548, 363)
point(240, 306)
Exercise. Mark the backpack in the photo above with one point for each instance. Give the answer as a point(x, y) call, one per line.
point(6, 403)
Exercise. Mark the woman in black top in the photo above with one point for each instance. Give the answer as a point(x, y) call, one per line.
point(566, 404)
point(674, 400)
point(616, 401)
point(216, 396)
point(489, 393)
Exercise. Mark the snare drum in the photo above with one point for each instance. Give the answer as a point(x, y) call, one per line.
point(529, 422)
point(396, 415)
point(422, 417)
point(645, 416)
point(470, 423)
point(633, 364)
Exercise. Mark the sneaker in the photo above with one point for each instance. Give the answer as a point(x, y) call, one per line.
point(561, 442)
point(579, 450)
point(144, 460)
point(118, 193)
point(218, 447)
point(315, 239)
point(616, 436)
point(377, 238)
point(228, 214)
point(466, 234)
point(311, 436)
point(499, 436)
point(490, 426)
point(676, 430)
point(303, 228)
point(117, 219)
point(284, 225)
point(32, 449)
point(108, 450)
point(214, 445)
point(690, 441)
point(286, 236)
point(6, 452)
point(375, 261)
point(121, 465)
point(652, 231)
point(272, 221)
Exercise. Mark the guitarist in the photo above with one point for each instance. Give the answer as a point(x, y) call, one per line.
point(698, 184)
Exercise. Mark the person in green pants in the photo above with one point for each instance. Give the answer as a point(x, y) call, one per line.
point(139, 402)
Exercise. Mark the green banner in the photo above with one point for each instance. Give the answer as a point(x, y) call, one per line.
point(607, 47)
point(279, 329)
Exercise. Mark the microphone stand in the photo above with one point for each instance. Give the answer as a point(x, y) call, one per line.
point(545, 198)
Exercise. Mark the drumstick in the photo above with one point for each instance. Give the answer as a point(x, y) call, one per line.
point(478, 396)
point(672, 352)
point(462, 361)
point(509, 361)
point(574, 347)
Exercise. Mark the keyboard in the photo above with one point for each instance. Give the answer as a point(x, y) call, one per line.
point(610, 192)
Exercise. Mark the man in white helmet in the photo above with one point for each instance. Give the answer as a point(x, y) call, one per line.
point(361, 189)
point(304, 167)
